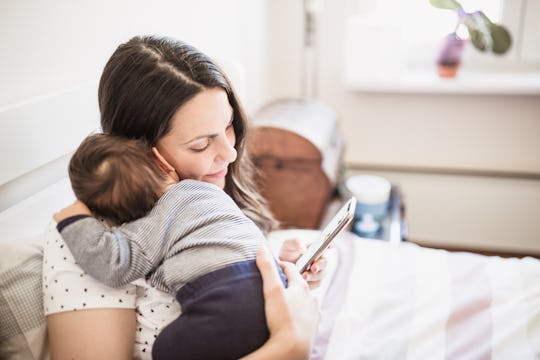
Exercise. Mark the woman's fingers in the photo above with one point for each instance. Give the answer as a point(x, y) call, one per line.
point(294, 278)
point(276, 306)
point(316, 272)
point(314, 280)
point(292, 313)
point(290, 250)
point(267, 267)
point(319, 265)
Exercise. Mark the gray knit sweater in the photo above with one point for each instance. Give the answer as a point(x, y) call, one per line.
point(193, 229)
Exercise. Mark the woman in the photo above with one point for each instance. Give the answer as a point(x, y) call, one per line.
point(180, 102)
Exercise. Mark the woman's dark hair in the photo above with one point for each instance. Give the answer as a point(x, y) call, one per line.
point(116, 177)
point(145, 82)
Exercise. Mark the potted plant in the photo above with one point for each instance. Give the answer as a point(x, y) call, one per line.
point(485, 36)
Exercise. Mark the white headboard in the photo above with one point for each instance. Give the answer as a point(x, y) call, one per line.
point(37, 138)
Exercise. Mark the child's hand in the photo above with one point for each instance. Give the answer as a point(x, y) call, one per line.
point(77, 208)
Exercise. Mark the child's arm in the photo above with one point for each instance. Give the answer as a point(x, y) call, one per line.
point(114, 256)
point(119, 255)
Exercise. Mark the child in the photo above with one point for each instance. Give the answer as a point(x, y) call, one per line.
point(188, 237)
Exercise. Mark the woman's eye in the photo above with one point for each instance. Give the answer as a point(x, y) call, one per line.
point(199, 150)
point(200, 147)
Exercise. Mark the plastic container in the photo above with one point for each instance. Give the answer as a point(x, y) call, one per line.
point(372, 195)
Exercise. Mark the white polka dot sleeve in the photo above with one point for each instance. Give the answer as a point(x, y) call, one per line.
point(67, 288)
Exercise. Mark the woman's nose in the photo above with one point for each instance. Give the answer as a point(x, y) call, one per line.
point(227, 152)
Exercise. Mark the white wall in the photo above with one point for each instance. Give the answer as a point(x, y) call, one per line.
point(53, 45)
point(53, 52)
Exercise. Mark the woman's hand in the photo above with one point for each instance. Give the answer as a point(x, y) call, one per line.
point(292, 313)
point(290, 251)
point(77, 208)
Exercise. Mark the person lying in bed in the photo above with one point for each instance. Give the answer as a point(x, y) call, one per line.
point(177, 99)
point(189, 238)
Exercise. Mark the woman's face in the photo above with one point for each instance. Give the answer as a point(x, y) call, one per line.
point(200, 145)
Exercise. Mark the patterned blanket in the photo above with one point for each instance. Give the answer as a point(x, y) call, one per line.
point(23, 329)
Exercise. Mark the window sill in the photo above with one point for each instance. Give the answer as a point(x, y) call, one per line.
point(466, 82)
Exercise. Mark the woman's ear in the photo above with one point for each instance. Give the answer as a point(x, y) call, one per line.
point(167, 168)
point(161, 160)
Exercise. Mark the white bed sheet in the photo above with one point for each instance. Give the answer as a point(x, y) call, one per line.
point(409, 302)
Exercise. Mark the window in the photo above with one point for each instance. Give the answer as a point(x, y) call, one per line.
point(414, 30)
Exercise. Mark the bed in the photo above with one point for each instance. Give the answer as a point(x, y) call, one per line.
point(378, 301)
point(384, 301)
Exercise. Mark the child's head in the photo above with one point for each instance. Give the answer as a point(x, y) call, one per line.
point(117, 178)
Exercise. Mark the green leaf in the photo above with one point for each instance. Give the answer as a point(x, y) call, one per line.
point(445, 4)
point(480, 16)
point(501, 39)
point(478, 26)
point(477, 39)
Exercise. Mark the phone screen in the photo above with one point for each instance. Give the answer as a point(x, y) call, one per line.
point(334, 227)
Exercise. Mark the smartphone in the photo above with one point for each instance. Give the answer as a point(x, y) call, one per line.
point(334, 227)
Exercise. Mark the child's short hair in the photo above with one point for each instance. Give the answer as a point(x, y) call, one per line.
point(116, 177)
